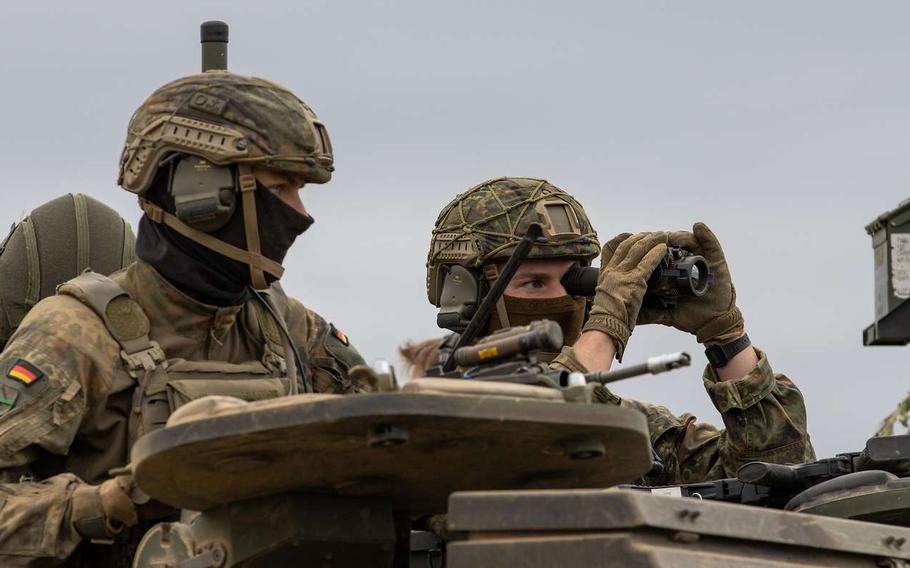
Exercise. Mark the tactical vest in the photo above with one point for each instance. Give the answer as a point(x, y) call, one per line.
point(163, 384)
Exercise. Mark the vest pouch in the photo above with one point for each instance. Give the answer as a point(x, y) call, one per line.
point(190, 380)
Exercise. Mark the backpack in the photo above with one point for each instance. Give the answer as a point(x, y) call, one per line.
point(56, 242)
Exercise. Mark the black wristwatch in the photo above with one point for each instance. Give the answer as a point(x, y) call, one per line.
point(719, 355)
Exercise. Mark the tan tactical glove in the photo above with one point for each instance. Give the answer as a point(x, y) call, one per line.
point(117, 502)
point(100, 512)
point(714, 317)
point(626, 262)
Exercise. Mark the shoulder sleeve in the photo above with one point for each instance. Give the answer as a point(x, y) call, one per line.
point(328, 350)
point(56, 364)
point(765, 416)
point(688, 449)
point(55, 367)
point(765, 420)
point(38, 519)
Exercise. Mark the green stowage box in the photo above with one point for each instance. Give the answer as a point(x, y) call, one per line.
point(631, 529)
point(890, 234)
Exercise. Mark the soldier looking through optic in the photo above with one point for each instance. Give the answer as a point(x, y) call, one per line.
point(474, 234)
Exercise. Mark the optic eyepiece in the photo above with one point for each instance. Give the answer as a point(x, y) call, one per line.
point(580, 280)
point(694, 275)
point(680, 272)
point(214, 38)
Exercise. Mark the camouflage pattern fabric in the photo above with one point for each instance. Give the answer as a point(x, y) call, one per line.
point(497, 213)
point(226, 118)
point(485, 223)
point(763, 412)
point(69, 399)
point(901, 415)
point(765, 419)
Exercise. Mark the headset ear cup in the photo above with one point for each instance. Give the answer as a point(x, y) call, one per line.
point(228, 199)
point(439, 276)
point(460, 292)
point(205, 194)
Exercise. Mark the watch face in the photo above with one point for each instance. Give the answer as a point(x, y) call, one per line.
point(715, 356)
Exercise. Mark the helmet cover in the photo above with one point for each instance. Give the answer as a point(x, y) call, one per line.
point(226, 118)
point(483, 225)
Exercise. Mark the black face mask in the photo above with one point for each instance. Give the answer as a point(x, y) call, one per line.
point(202, 273)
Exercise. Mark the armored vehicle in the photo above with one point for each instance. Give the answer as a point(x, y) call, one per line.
point(498, 462)
point(523, 474)
point(494, 460)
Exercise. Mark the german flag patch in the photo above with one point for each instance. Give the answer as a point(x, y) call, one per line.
point(24, 372)
point(340, 336)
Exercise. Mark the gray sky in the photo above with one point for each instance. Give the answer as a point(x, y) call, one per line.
point(783, 125)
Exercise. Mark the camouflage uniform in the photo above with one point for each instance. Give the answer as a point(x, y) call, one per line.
point(70, 426)
point(107, 359)
point(764, 413)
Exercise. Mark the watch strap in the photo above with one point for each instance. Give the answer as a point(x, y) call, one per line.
point(719, 355)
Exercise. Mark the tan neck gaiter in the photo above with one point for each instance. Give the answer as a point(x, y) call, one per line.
point(567, 311)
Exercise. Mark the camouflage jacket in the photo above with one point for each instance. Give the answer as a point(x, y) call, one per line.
point(66, 399)
point(764, 415)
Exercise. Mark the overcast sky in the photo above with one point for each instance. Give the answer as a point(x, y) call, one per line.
point(783, 125)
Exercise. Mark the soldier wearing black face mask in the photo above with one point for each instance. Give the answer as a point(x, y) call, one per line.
point(474, 235)
point(204, 273)
point(217, 161)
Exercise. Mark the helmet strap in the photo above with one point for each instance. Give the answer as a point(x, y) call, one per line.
point(254, 259)
point(247, 183)
point(491, 272)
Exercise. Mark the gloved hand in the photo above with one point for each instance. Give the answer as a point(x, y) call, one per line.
point(713, 317)
point(104, 511)
point(118, 504)
point(625, 265)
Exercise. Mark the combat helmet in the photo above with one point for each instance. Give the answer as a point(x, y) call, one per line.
point(228, 124)
point(481, 227)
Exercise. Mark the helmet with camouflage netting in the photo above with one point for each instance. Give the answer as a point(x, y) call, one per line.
point(482, 226)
